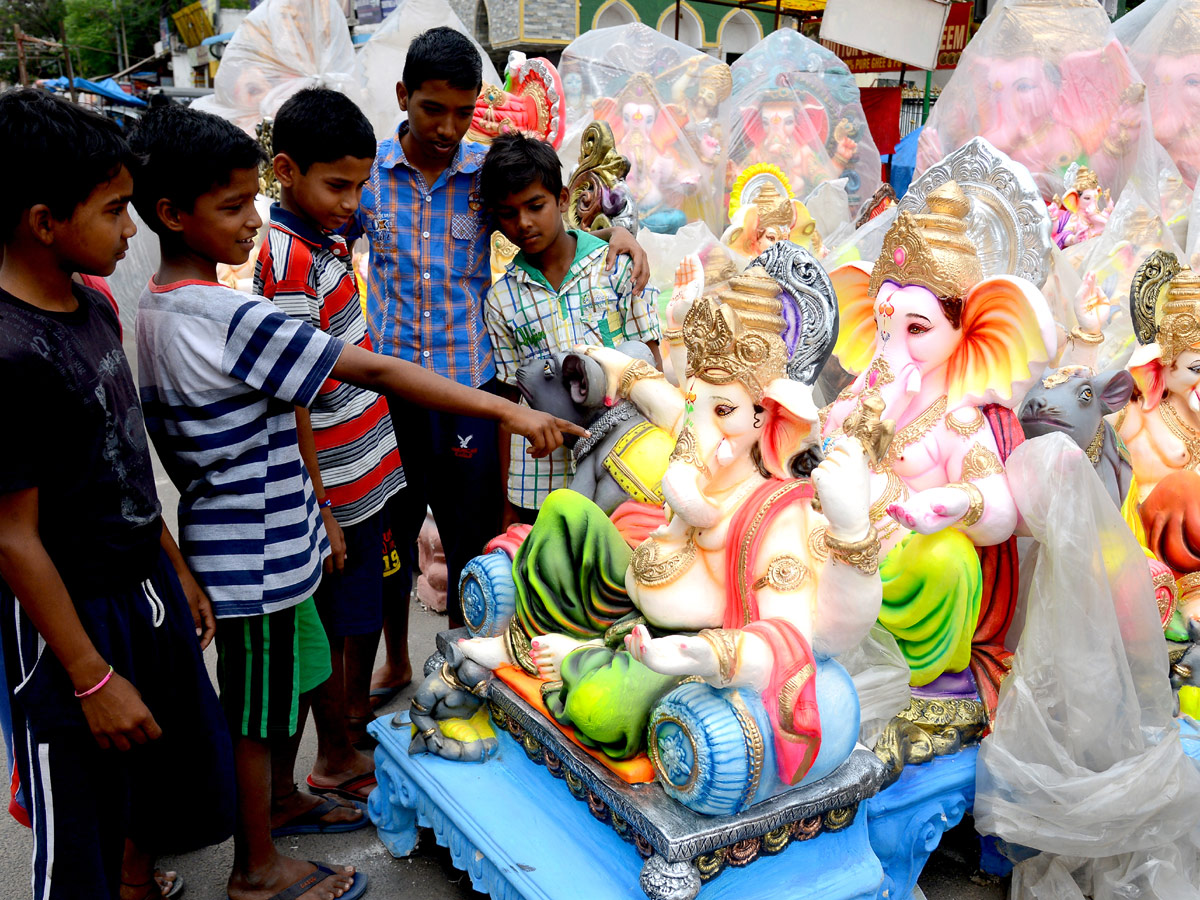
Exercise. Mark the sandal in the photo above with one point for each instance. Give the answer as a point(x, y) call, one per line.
point(312, 821)
point(357, 888)
point(356, 788)
point(175, 890)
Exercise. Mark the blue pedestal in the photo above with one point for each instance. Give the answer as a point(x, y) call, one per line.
point(519, 833)
point(907, 820)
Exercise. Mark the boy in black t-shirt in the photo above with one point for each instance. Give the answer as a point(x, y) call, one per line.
point(119, 740)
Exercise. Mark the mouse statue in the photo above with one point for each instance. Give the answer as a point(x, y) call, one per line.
point(626, 457)
point(1074, 400)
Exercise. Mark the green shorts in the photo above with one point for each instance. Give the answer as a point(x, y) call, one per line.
point(264, 664)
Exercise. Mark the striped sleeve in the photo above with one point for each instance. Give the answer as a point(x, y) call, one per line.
point(280, 356)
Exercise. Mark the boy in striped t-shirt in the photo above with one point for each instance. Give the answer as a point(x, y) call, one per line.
point(324, 148)
point(221, 374)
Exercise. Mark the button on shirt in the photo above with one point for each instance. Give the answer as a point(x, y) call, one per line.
point(429, 267)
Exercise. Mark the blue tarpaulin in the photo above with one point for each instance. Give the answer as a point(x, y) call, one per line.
point(217, 39)
point(108, 89)
point(904, 162)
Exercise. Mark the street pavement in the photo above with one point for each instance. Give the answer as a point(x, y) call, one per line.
point(951, 873)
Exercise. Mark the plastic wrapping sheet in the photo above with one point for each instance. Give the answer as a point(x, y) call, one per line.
point(1167, 55)
point(382, 58)
point(282, 47)
point(1084, 762)
point(1130, 26)
point(666, 251)
point(829, 205)
point(795, 105)
point(1150, 214)
point(865, 243)
point(881, 677)
point(666, 103)
point(1048, 83)
point(132, 273)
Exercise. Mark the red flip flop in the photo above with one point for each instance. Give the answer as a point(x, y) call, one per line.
point(358, 787)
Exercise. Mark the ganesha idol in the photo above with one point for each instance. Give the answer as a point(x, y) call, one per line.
point(713, 642)
point(1082, 212)
point(789, 129)
point(530, 102)
point(762, 214)
point(1168, 54)
point(943, 352)
point(1043, 81)
point(1161, 427)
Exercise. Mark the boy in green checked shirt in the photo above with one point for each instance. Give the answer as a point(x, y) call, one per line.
point(555, 294)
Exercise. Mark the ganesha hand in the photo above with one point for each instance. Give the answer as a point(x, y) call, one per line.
point(676, 654)
point(843, 487)
point(929, 511)
point(678, 309)
point(1093, 309)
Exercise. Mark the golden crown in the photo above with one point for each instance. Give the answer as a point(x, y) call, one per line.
point(1165, 302)
point(931, 249)
point(773, 207)
point(1085, 180)
point(739, 339)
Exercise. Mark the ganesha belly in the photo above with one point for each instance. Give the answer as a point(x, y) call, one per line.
point(944, 353)
point(712, 642)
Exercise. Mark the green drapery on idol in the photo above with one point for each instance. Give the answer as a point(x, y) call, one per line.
point(932, 586)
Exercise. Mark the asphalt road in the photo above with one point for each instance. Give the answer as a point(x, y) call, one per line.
point(427, 874)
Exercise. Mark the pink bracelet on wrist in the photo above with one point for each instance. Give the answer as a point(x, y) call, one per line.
point(99, 684)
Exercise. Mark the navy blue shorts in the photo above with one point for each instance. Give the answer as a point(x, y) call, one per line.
point(351, 601)
point(171, 795)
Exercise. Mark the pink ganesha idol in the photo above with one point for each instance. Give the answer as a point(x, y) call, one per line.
point(1043, 81)
point(944, 353)
point(1168, 54)
point(1083, 211)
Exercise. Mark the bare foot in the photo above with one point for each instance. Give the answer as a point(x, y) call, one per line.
point(286, 872)
point(548, 652)
point(159, 885)
point(297, 803)
point(489, 652)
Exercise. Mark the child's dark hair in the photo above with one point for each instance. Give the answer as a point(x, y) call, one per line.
point(320, 125)
point(55, 152)
point(185, 153)
point(442, 54)
point(513, 163)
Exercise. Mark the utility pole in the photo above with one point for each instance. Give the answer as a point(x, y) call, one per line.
point(62, 36)
point(22, 74)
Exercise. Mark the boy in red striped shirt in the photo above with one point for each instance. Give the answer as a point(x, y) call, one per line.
point(324, 148)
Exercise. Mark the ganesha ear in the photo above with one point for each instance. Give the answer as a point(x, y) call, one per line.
point(1070, 201)
point(856, 313)
point(790, 427)
point(1007, 339)
point(1146, 367)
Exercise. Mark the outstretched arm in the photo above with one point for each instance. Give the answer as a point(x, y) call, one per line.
point(399, 378)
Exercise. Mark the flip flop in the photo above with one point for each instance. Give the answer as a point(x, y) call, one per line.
point(310, 822)
point(358, 887)
point(175, 891)
point(350, 789)
point(382, 696)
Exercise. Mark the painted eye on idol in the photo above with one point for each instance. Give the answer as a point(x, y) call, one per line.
point(724, 409)
point(1085, 396)
point(914, 328)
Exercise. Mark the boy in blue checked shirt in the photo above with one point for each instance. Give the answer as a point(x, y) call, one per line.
point(221, 373)
point(429, 272)
point(556, 293)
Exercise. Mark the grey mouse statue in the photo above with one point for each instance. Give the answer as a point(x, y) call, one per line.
point(1074, 401)
point(626, 456)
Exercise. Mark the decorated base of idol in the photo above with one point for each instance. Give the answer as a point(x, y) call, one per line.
point(545, 817)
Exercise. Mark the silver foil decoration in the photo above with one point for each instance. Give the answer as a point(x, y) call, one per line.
point(1008, 223)
point(807, 295)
